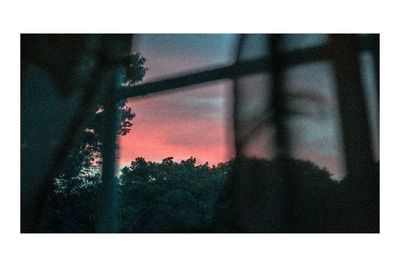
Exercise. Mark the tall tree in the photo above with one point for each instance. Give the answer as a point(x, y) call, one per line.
point(64, 78)
point(76, 186)
point(86, 154)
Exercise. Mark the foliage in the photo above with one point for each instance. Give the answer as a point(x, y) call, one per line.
point(86, 153)
point(72, 207)
point(156, 197)
point(134, 69)
point(168, 196)
point(292, 195)
point(279, 195)
point(77, 183)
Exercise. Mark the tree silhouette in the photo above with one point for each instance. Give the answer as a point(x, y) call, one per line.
point(260, 198)
point(86, 153)
point(80, 173)
point(171, 196)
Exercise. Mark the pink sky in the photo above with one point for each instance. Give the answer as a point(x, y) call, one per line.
point(180, 125)
point(185, 122)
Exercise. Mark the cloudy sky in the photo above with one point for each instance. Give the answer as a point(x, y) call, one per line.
point(195, 121)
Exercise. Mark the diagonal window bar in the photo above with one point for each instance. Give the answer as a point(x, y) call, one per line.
point(352, 106)
point(244, 67)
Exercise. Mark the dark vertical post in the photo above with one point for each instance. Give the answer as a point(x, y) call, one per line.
point(236, 208)
point(278, 101)
point(375, 54)
point(376, 58)
point(352, 106)
point(236, 105)
point(108, 199)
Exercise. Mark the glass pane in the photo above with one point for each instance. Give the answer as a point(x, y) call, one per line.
point(180, 124)
point(173, 162)
point(254, 46)
point(311, 112)
point(291, 42)
point(316, 127)
point(253, 105)
point(370, 85)
point(171, 54)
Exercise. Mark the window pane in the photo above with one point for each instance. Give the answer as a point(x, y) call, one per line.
point(254, 46)
point(370, 86)
point(180, 124)
point(291, 42)
point(316, 127)
point(169, 174)
point(171, 54)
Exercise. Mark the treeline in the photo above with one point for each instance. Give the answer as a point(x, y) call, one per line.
point(169, 196)
point(154, 197)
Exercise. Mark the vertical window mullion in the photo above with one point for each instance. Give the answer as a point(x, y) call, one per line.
point(352, 107)
point(108, 201)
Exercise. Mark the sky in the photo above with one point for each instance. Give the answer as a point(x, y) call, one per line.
point(187, 122)
point(195, 121)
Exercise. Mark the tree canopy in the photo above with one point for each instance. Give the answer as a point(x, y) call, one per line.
point(86, 154)
point(183, 196)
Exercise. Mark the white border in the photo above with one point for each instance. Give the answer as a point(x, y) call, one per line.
point(211, 17)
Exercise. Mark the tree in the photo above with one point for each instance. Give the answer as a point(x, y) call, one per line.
point(77, 183)
point(87, 153)
point(170, 196)
point(260, 198)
